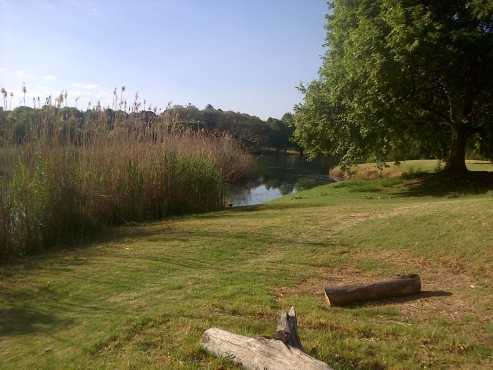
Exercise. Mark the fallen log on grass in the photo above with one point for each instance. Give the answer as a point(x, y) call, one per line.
point(280, 353)
point(404, 285)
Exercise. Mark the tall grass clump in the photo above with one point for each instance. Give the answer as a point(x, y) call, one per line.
point(65, 175)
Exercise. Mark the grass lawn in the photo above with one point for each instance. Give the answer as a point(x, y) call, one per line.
point(142, 297)
point(392, 169)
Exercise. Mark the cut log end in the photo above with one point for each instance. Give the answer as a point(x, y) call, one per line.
point(403, 285)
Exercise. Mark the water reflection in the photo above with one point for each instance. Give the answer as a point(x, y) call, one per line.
point(280, 175)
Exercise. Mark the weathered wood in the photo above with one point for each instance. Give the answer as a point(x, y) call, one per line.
point(287, 329)
point(404, 285)
point(258, 353)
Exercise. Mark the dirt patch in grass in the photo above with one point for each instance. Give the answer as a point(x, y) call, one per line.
point(448, 292)
point(442, 276)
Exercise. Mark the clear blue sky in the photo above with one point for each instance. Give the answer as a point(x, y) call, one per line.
point(241, 55)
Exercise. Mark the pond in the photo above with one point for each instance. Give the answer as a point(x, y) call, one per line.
point(279, 175)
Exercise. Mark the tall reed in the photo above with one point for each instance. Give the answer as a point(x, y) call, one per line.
point(65, 178)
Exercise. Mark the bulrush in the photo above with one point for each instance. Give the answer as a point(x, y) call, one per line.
point(24, 92)
point(67, 173)
point(4, 95)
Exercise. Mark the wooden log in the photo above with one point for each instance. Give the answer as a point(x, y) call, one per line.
point(404, 285)
point(287, 329)
point(258, 353)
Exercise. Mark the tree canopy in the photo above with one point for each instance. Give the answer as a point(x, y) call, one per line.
point(402, 77)
point(252, 132)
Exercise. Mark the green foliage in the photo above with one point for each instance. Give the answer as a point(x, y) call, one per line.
point(401, 78)
point(252, 132)
point(64, 195)
point(279, 134)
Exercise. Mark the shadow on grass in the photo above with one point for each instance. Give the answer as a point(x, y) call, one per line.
point(400, 300)
point(256, 211)
point(24, 320)
point(20, 313)
point(446, 185)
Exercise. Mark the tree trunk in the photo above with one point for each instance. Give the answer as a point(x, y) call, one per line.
point(402, 286)
point(456, 162)
point(258, 353)
point(283, 351)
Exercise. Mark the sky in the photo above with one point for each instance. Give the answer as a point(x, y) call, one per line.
point(240, 55)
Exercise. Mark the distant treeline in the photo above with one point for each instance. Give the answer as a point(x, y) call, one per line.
point(253, 133)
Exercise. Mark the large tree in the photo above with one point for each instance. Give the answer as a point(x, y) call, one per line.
point(401, 75)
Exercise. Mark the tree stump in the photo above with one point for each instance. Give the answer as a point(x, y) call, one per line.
point(287, 329)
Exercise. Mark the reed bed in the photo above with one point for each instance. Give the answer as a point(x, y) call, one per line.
point(68, 175)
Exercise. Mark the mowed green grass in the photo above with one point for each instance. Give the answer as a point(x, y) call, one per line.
point(141, 298)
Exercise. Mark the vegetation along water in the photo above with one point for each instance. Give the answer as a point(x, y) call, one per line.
point(66, 174)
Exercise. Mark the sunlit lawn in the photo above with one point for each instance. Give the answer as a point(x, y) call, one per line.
point(142, 297)
point(393, 169)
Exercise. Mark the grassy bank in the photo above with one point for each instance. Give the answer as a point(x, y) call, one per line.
point(369, 171)
point(143, 297)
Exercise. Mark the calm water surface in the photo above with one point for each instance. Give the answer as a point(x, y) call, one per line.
point(280, 175)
